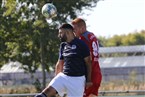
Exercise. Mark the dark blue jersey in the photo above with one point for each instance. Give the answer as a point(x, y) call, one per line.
point(73, 54)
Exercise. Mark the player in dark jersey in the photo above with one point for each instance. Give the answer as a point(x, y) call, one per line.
point(73, 63)
point(91, 40)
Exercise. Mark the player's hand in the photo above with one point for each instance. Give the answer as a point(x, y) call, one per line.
point(88, 84)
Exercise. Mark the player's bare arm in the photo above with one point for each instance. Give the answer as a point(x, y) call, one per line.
point(59, 66)
point(89, 70)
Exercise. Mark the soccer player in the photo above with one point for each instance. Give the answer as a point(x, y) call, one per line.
point(90, 39)
point(73, 63)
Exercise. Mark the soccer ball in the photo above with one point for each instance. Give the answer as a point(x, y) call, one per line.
point(49, 10)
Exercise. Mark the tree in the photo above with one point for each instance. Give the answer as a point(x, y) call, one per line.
point(27, 37)
point(136, 38)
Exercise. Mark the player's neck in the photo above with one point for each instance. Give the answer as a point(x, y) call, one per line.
point(69, 39)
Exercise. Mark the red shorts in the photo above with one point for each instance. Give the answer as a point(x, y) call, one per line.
point(96, 80)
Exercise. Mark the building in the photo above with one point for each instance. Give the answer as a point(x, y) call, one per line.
point(123, 63)
point(13, 73)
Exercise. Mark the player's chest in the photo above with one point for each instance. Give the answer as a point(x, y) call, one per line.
point(70, 50)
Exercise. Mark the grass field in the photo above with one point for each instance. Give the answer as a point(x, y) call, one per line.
point(109, 86)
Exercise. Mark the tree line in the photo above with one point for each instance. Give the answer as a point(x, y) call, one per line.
point(135, 38)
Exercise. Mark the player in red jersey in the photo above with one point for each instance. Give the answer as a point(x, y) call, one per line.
point(92, 42)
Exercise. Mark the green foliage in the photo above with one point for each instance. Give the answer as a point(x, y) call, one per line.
point(37, 85)
point(10, 7)
point(136, 38)
point(27, 37)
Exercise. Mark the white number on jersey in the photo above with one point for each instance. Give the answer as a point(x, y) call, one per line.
point(95, 47)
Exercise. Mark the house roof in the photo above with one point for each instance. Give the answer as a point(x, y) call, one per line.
point(123, 49)
point(129, 61)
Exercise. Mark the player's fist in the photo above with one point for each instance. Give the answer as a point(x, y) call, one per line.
point(88, 84)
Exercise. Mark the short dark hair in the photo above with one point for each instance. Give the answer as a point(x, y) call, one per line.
point(66, 26)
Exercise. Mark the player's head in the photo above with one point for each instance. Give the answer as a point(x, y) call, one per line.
point(79, 26)
point(66, 32)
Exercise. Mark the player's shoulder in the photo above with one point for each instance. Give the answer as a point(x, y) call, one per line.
point(92, 36)
point(89, 35)
point(77, 40)
point(81, 42)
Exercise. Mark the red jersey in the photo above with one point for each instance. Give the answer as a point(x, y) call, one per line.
point(92, 42)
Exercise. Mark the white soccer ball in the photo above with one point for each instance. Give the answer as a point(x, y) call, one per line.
point(49, 10)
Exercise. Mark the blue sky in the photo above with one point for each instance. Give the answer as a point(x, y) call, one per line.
point(116, 17)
